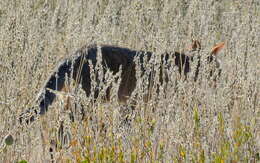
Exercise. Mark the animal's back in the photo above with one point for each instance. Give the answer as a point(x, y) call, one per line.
point(77, 68)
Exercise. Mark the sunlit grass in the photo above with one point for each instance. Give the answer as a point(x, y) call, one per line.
point(186, 122)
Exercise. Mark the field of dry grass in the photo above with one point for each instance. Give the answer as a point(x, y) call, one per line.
point(190, 122)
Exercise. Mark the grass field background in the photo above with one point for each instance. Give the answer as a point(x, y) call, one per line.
point(191, 122)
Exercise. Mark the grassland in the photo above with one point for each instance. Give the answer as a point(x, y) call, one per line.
point(190, 122)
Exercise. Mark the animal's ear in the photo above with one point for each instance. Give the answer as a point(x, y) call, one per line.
point(216, 49)
point(194, 46)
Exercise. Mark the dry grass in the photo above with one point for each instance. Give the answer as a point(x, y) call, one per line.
point(191, 122)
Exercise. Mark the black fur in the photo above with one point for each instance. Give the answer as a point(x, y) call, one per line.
point(112, 58)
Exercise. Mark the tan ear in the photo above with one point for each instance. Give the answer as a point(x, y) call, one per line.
point(215, 50)
point(194, 46)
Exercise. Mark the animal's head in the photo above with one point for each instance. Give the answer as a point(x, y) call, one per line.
point(211, 61)
point(214, 62)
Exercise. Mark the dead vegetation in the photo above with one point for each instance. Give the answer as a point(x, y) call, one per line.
point(185, 122)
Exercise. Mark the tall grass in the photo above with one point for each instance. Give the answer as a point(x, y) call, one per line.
point(189, 122)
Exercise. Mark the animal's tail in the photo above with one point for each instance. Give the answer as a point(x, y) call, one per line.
point(46, 96)
point(69, 68)
point(55, 82)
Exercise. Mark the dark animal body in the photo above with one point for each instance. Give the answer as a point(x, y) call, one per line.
point(78, 68)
